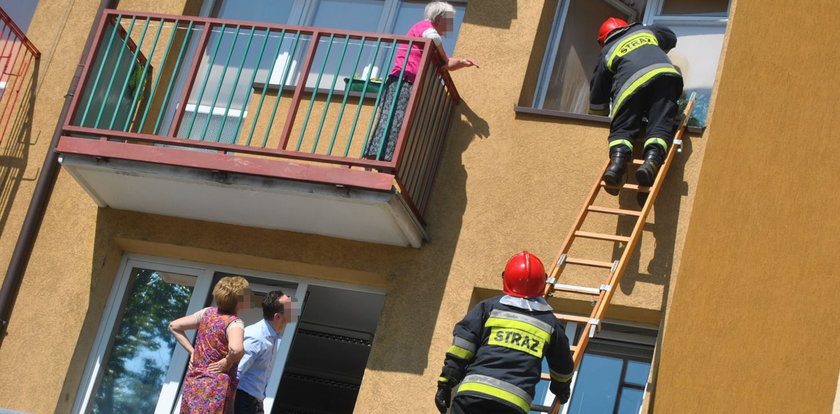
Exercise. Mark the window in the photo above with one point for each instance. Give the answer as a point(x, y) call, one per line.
point(572, 50)
point(378, 16)
point(611, 377)
point(135, 365)
point(228, 65)
point(20, 11)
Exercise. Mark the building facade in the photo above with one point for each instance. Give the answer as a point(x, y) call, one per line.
point(204, 138)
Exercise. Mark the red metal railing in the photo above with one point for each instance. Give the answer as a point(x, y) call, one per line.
point(253, 91)
point(17, 54)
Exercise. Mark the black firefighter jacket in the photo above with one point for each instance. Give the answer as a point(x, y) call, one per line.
point(498, 349)
point(629, 61)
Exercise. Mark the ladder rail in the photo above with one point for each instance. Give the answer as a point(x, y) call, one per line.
point(614, 278)
point(567, 243)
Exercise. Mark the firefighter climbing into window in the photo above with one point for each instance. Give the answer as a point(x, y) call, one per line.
point(637, 77)
point(496, 356)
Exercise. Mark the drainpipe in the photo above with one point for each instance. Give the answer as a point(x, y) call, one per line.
point(41, 195)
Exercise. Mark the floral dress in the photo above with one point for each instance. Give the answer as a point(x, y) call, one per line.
point(207, 392)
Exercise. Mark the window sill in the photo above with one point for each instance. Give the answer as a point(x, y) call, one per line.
point(596, 119)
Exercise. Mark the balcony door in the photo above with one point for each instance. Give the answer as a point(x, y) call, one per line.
point(135, 365)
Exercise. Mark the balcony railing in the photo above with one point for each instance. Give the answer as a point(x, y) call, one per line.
point(181, 87)
point(17, 57)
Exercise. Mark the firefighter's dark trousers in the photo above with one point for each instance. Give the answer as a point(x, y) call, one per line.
point(658, 102)
point(468, 404)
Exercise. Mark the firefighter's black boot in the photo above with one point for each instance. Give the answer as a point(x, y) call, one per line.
point(654, 156)
point(614, 175)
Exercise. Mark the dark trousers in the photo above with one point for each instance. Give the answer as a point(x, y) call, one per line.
point(246, 404)
point(468, 404)
point(383, 143)
point(658, 102)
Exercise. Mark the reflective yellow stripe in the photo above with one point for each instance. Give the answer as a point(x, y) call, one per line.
point(630, 44)
point(443, 379)
point(460, 352)
point(559, 377)
point(498, 393)
point(659, 141)
point(522, 326)
point(639, 82)
point(621, 142)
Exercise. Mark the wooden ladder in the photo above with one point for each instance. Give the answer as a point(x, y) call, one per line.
point(604, 292)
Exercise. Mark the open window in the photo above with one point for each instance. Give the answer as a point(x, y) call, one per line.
point(572, 50)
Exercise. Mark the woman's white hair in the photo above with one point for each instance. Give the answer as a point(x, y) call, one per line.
point(437, 8)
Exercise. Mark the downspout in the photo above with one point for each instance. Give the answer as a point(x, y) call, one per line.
point(41, 196)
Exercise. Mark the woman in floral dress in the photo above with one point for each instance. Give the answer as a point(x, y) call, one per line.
point(211, 381)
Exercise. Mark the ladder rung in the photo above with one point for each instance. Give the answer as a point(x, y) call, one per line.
point(602, 236)
point(577, 289)
point(587, 262)
point(618, 211)
point(638, 161)
point(572, 318)
point(635, 187)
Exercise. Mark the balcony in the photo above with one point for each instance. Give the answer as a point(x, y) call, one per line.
point(258, 125)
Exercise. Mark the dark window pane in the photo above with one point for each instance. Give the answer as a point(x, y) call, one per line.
point(357, 15)
point(637, 373)
point(268, 11)
point(631, 400)
point(695, 7)
point(597, 384)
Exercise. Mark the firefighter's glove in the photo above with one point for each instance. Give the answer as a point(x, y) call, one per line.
point(443, 396)
point(561, 391)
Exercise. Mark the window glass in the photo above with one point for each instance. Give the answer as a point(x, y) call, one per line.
point(697, 56)
point(411, 12)
point(567, 86)
point(356, 15)
point(136, 367)
point(637, 373)
point(268, 11)
point(20, 11)
point(695, 7)
point(630, 401)
point(599, 378)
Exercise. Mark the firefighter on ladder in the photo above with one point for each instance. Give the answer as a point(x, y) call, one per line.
point(496, 355)
point(636, 76)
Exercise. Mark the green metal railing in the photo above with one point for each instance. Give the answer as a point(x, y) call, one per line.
point(267, 90)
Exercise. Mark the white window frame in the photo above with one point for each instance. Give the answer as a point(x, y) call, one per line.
point(204, 273)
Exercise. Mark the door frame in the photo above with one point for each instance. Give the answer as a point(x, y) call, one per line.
point(203, 272)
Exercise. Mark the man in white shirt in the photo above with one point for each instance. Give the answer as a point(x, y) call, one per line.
point(261, 341)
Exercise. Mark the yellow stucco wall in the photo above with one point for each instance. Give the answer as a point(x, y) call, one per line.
point(753, 325)
point(507, 182)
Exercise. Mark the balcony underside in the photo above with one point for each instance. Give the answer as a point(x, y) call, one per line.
point(299, 204)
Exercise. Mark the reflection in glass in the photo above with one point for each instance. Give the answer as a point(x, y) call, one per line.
point(142, 348)
point(265, 11)
point(631, 400)
point(637, 373)
point(597, 384)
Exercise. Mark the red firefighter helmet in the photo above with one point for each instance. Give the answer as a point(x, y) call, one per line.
point(608, 26)
point(524, 276)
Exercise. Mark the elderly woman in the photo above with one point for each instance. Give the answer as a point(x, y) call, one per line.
point(437, 21)
point(211, 381)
